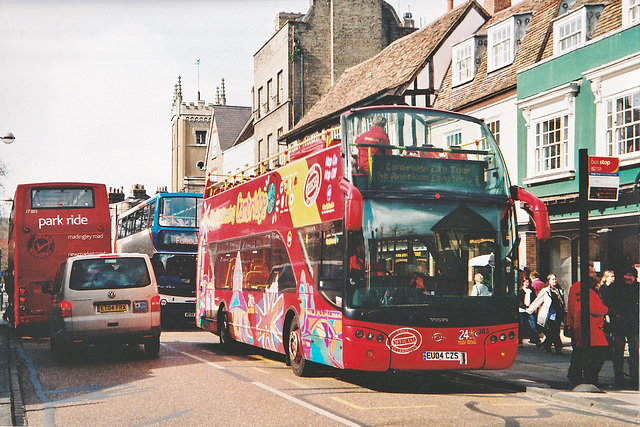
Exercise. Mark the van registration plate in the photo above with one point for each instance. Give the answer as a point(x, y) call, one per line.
point(112, 308)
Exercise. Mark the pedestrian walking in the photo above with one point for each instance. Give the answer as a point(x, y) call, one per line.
point(583, 368)
point(608, 277)
point(527, 327)
point(550, 306)
point(536, 283)
point(622, 299)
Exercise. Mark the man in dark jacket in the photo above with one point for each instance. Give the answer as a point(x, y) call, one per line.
point(622, 300)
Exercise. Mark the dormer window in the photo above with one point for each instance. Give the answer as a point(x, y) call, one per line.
point(501, 45)
point(630, 12)
point(463, 62)
point(575, 28)
point(569, 33)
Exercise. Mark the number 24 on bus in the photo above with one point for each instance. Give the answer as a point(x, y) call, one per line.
point(360, 252)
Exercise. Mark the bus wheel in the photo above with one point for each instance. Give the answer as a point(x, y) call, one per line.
point(223, 328)
point(296, 355)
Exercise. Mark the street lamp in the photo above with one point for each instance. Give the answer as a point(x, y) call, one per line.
point(8, 138)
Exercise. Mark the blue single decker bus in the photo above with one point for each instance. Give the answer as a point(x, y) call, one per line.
point(165, 227)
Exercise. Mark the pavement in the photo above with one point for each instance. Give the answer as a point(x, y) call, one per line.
point(6, 419)
point(544, 375)
point(540, 374)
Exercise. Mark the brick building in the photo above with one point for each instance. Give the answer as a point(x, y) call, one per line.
point(308, 53)
point(409, 71)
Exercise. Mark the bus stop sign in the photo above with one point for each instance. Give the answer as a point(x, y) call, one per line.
point(604, 178)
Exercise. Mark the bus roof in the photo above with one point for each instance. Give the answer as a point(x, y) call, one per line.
point(157, 197)
point(60, 184)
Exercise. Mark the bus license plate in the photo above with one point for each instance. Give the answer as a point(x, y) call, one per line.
point(112, 308)
point(190, 314)
point(445, 356)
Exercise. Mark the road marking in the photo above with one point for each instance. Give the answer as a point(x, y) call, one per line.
point(519, 404)
point(265, 359)
point(260, 370)
point(369, 408)
point(296, 383)
point(275, 391)
point(199, 359)
point(306, 405)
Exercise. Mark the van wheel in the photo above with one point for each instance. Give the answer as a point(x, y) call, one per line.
point(223, 327)
point(152, 347)
point(296, 356)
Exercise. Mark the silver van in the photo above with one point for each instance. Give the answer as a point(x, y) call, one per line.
point(106, 298)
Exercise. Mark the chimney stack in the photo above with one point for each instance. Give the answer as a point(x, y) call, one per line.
point(449, 5)
point(495, 6)
point(407, 20)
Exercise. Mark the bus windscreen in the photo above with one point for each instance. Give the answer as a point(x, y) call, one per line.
point(45, 198)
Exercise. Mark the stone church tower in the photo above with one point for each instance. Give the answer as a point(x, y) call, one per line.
point(190, 125)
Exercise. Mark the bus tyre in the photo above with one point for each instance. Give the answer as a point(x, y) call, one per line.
point(296, 356)
point(223, 327)
point(152, 347)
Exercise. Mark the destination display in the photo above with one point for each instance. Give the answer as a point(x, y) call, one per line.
point(173, 238)
point(394, 171)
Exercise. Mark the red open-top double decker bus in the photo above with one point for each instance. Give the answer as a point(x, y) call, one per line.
point(361, 252)
point(50, 222)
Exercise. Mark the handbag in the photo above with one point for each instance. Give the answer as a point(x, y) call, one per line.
point(552, 314)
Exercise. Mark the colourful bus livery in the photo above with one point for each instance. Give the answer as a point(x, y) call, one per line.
point(360, 253)
point(50, 222)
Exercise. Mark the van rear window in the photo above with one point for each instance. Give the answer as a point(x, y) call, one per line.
point(109, 273)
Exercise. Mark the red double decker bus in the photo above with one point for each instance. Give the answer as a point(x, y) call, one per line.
point(361, 251)
point(50, 222)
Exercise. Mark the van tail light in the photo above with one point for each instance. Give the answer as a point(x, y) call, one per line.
point(155, 304)
point(65, 308)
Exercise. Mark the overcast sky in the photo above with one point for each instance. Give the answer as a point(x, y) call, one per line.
point(86, 86)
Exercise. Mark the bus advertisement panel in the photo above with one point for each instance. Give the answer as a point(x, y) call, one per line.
point(165, 227)
point(50, 222)
point(393, 248)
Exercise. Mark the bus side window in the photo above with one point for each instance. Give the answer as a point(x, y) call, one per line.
point(151, 212)
point(281, 274)
point(258, 271)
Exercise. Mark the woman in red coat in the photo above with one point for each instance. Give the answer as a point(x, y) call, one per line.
point(592, 366)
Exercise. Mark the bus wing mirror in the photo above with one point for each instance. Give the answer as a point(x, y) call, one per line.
point(538, 211)
point(353, 206)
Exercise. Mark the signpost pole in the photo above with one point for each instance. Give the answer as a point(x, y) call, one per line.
point(583, 179)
